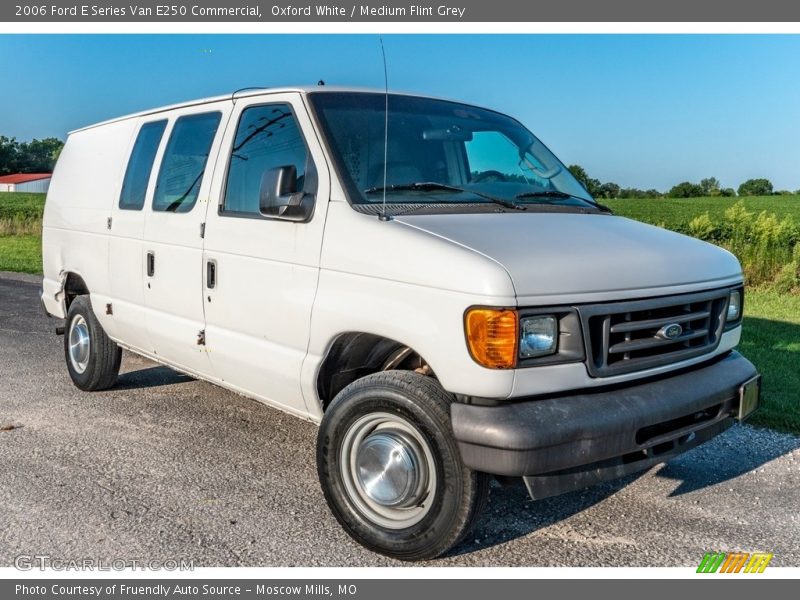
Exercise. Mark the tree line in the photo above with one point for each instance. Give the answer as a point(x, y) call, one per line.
point(686, 189)
point(36, 156)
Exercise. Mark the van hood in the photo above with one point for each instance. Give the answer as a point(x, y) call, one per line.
point(567, 254)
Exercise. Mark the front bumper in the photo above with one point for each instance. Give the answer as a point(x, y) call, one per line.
point(563, 443)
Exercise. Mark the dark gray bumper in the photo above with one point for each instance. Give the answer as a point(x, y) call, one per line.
point(565, 443)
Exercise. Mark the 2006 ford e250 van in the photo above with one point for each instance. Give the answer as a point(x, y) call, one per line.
point(441, 296)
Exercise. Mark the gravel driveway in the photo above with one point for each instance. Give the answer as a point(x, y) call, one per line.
point(164, 467)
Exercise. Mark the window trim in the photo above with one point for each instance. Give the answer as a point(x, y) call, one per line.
point(310, 167)
point(152, 164)
point(205, 166)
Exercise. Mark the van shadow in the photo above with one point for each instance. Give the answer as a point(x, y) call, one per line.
point(150, 377)
point(739, 450)
point(511, 513)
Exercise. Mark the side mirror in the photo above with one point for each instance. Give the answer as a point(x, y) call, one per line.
point(279, 197)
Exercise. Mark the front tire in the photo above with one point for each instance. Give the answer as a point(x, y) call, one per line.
point(92, 358)
point(391, 469)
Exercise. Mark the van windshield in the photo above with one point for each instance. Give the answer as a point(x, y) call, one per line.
point(441, 153)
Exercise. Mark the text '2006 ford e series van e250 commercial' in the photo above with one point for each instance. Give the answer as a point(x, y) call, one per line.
point(441, 296)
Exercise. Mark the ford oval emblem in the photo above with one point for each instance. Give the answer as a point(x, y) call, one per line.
point(670, 331)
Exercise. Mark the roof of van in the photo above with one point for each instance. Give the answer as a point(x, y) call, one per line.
point(245, 93)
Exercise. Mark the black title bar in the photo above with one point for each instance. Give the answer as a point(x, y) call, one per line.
point(465, 11)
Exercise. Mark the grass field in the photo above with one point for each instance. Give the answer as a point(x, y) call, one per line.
point(20, 232)
point(771, 337)
point(21, 253)
point(771, 340)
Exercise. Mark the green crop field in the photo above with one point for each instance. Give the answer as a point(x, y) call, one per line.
point(771, 337)
point(21, 206)
point(675, 213)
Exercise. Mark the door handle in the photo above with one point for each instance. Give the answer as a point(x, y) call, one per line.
point(151, 264)
point(211, 274)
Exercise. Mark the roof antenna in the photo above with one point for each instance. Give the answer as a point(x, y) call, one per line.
point(383, 216)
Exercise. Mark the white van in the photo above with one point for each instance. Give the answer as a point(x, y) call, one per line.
point(442, 297)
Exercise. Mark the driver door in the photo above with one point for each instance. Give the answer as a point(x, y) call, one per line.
point(260, 273)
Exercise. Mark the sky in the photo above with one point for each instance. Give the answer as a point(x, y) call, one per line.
point(646, 111)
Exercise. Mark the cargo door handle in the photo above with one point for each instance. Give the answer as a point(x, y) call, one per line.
point(211, 274)
point(151, 264)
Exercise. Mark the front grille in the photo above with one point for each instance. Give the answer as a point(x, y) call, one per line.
point(622, 337)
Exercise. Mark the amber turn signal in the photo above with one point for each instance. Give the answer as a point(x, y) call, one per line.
point(492, 337)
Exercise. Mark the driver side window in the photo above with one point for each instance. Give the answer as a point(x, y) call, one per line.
point(267, 137)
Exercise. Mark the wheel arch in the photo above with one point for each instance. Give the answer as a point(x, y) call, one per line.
point(354, 354)
point(74, 285)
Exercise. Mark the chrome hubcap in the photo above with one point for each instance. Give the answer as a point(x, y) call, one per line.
point(388, 470)
point(79, 344)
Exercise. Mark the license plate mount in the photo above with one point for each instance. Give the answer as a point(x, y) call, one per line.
point(749, 397)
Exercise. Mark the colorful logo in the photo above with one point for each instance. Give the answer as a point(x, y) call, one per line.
point(734, 562)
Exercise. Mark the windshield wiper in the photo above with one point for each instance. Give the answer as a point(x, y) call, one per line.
point(424, 186)
point(421, 186)
point(545, 194)
point(561, 195)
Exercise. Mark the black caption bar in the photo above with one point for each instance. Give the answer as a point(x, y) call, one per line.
point(393, 11)
point(379, 589)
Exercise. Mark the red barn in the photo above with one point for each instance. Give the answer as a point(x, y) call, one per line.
point(25, 182)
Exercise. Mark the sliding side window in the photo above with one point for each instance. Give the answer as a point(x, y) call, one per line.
point(184, 162)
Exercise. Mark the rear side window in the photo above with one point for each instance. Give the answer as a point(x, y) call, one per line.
point(140, 164)
point(268, 137)
point(184, 162)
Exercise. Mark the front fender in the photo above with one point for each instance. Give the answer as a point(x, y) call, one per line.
point(426, 319)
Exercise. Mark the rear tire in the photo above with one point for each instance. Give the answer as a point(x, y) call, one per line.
point(391, 469)
point(92, 358)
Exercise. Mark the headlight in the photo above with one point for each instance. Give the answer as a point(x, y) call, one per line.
point(734, 306)
point(538, 336)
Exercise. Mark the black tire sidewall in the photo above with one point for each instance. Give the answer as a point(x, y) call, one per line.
point(88, 380)
point(434, 533)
